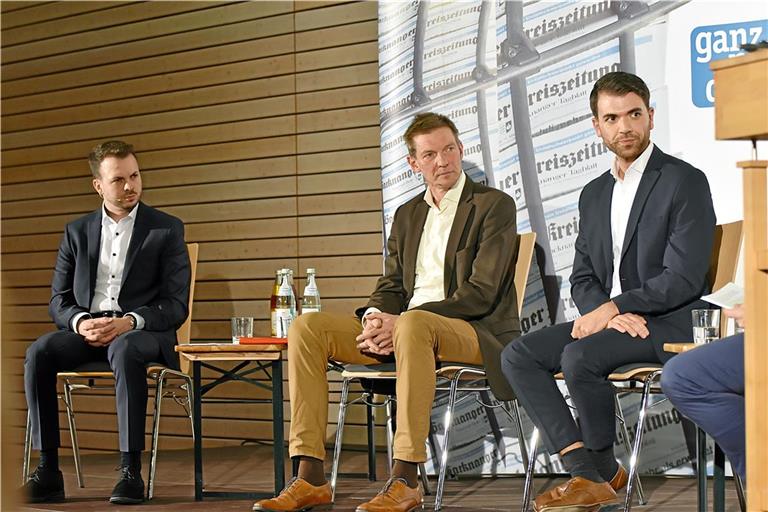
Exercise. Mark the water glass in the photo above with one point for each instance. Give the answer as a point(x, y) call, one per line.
point(242, 326)
point(706, 325)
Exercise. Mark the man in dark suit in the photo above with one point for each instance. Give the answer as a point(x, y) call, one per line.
point(447, 294)
point(642, 254)
point(120, 290)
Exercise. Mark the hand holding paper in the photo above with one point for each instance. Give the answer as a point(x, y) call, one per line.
point(726, 297)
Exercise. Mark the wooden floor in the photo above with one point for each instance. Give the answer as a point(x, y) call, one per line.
point(250, 468)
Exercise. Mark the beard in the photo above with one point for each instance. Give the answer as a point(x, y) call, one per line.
point(628, 152)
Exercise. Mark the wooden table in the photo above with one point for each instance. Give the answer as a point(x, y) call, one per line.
point(251, 358)
point(718, 473)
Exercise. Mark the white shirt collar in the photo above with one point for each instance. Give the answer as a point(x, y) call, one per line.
point(638, 166)
point(106, 219)
point(452, 195)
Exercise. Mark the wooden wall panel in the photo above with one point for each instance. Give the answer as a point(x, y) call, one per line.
point(257, 123)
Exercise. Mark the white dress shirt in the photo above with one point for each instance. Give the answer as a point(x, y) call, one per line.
point(624, 191)
point(115, 237)
point(429, 284)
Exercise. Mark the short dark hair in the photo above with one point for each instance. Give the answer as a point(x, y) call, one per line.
point(116, 148)
point(619, 83)
point(425, 123)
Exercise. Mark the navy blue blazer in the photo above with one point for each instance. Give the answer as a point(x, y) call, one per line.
point(666, 252)
point(156, 276)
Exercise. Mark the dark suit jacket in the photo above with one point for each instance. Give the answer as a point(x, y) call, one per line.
point(479, 270)
point(666, 252)
point(156, 277)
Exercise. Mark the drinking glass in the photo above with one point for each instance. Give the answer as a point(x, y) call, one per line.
point(706, 325)
point(242, 326)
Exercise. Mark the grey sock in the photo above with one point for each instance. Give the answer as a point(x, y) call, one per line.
point(605, 462)
point(578, 463)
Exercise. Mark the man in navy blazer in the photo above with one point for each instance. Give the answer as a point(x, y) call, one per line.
point(120, 290)
point(642, 255)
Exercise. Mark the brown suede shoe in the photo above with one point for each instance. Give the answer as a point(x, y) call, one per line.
point(298, 495)
point(578, 495)
point(620, 479)
point(396, 496)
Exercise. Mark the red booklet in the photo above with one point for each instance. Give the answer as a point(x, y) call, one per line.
point(263, 340)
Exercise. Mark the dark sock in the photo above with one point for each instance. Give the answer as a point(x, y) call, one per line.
point(408, 471)
point(311, 470)
point(49, 459)
point(578, 463)
point(605, 462)
point(131, 459)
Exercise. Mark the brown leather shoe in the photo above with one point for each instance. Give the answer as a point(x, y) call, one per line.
point(617, 483)
point(620, 479)
point(577, 495)
point(396, 496)
point(298, 495)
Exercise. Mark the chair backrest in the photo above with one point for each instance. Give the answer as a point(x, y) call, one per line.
point(725, 254)
point(184, 333)
point(725, 259)
point(526, 244)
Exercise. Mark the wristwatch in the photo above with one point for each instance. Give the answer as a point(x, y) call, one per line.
point(133, 321)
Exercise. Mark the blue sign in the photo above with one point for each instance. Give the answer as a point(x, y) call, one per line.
point(715, 42)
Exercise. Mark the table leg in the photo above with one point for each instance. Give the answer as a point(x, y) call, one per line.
point(719, 480)
point(701, 468)
point(277, 425)
point(197, 419)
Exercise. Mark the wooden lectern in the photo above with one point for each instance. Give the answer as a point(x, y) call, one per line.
point(741, 112)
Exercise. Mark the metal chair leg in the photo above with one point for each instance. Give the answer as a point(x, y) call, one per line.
point(446, 439)
point(339, 435)
point(628, 447)
point(73, 432)
point(27, 449)
point(159, 381)
point(740, 492)
point(649, 380)
point(528, 485)
point(371, 439)
point(515, 408)
point(424, 479)
point(190, 397)
point(390, 432)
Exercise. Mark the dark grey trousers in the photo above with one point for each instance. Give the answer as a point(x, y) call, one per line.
point(530, 362)
point(63, 350)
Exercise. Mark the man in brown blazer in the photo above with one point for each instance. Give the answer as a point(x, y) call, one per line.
point(447, 294)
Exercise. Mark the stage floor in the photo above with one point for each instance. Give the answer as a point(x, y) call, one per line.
point(250, 468)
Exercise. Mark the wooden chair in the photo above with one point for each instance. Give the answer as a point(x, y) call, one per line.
point(91, 376)
point(452, 374)
point(722, 270)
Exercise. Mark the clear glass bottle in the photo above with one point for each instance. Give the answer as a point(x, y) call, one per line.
point(285, 306)
point(295, 308)
point(273, 300)
point(311, 301)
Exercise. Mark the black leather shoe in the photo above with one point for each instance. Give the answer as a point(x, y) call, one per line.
point(44, 485)
point(129, 490)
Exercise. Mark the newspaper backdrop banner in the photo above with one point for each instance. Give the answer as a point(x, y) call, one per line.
point(515, 78)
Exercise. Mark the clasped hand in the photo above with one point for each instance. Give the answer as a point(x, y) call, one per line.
point(100, 332)
point(607, 317)
point(376, 337)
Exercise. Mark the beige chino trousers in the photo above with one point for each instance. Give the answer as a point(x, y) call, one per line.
point(420, 339)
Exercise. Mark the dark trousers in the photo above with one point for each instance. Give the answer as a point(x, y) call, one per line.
point(707, 386)
point(530, 362)
point(62, 350)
